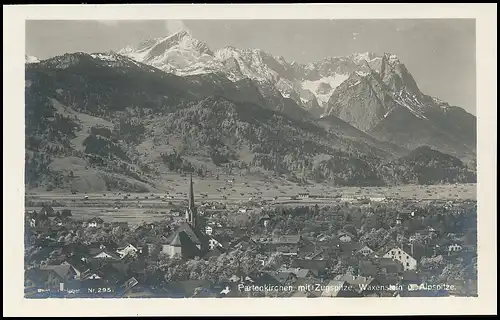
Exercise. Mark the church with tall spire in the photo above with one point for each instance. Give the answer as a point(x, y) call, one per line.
point(188, 241)
point(191, 215)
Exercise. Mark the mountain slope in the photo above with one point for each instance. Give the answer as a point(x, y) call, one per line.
point(427, 166)
point(218, 128)
point(340, 127)
point(83, 81)
point(362, 89)
point(89, 119)
point(401, 127)
point(386, 102)
point(103, 121)
point(183, 55)
point(245, 90)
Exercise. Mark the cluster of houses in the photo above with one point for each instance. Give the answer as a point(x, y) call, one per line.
point(120, 267)
point(322, 265)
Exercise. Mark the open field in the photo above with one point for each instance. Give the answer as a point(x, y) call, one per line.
point(138, 207)
point(241, 190)
point(130, 215)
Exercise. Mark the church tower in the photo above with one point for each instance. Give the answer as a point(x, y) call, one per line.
point(191, 209)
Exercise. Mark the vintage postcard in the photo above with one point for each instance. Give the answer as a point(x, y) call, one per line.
point(254, 159)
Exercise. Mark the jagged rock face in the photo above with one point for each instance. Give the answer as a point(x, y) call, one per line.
point(397, 78)
point(183, 55)
point(362, 89)
point(313, 107)
point(95, 113)
point(359, 101)
point(382, 98)
point(375, 93)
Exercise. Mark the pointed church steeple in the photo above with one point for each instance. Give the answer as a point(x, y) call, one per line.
point(191, 193)
point(191, 209)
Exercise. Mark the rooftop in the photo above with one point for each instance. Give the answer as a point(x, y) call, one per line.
point(61, 270)
point(194, 235)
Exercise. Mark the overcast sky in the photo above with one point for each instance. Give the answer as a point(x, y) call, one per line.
point(440, 54)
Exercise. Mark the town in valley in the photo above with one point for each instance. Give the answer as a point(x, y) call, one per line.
point(250, 158)
point(301, 245)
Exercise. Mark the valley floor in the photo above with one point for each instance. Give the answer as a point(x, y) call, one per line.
point(135, 208)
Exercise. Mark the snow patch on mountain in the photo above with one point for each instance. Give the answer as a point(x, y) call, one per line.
point(355, 84)
point(411, 103)
point(104, 57)
point(250, 63)
point(31, 59)
point(315, 86)
point(438, 101)
point(362, 73)
point(136, 53)
point(183, 55)
point(365, 56)
point(388, 113)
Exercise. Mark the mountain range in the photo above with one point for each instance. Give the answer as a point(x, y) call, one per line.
point(374, 93)
point(127, 119)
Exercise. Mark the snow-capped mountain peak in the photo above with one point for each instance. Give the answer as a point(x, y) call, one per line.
point(180, 53)
point(175, 37)
point(180, 34)
point(280, 59)
point(365, 56)
point(106, 56)
point(173, 52)
point(380, 86)
point(392, 58)
point(30, 59)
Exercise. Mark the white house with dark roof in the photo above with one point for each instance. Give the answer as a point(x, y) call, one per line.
point(209, 230)
point(454, 248)
point(398, 254)
point(94, 223)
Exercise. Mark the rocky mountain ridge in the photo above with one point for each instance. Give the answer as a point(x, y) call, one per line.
point(363, 89)
point(107, 122)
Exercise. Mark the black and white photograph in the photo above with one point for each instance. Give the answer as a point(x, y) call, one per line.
point(251, 158)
